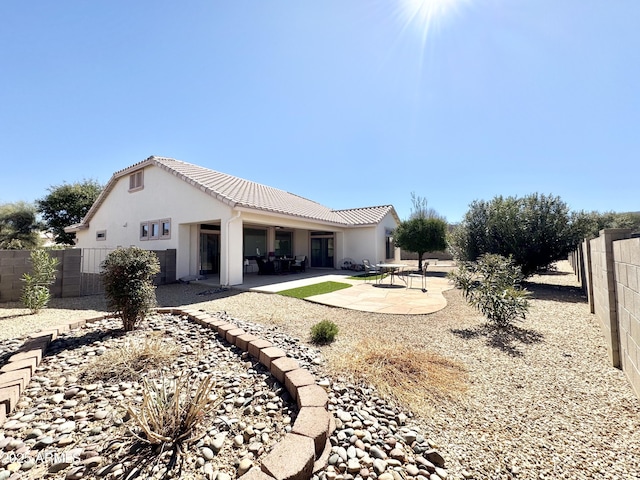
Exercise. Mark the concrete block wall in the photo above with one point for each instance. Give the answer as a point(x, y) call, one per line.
point(626, 257)
point(302, 452)
point(610, 271)
point(15, 263)
point(604, 294)
point(70, 282)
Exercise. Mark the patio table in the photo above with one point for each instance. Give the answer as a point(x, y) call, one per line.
point(392, 268)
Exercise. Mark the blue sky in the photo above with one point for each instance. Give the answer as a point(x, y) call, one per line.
point(348, 103)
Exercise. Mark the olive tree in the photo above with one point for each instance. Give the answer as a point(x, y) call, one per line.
point(425, 231)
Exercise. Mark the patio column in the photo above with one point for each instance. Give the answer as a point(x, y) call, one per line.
point(231, 269)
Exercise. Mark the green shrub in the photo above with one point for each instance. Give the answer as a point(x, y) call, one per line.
point(492, 285)
point(127, 274)
point(535, 230)
point(35, 293)
point(324, 332)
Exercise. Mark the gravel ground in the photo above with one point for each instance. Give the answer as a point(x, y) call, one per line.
point(542, 400)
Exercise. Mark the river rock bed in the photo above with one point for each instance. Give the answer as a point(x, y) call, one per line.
point(87, 422)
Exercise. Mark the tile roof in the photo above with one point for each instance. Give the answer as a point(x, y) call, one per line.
point(238, 192)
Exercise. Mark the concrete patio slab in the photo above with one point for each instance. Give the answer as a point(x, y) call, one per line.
point(371, 297)
point(364, 296)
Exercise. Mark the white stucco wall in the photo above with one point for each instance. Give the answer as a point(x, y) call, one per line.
point(163, 196)
point(369, 242)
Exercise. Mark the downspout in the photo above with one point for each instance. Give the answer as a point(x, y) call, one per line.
point(226, 256)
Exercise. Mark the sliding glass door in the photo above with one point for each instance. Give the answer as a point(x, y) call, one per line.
point(322, 251)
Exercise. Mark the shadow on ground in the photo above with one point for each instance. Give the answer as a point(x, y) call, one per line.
point(556, 293)
point(507, 339)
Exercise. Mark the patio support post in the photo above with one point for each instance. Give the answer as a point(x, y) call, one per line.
point(232, 266)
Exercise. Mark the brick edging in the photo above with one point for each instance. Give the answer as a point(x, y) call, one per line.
point(16, 374)
point(297, 456)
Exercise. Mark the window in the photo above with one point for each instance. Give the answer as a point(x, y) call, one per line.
point(165, 228)
point(136, 181)
point(144, 231)
point(255, 242)
point(283, 244)
point(101, 235)
point(155, 229)
point(390, 251)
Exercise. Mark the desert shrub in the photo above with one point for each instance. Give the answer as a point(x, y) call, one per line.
point(535, 230)
point(127, 274)
point(35, 293)
point(492, 285)
point(324, 332)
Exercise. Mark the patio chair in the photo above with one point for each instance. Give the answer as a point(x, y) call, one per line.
point(422, 275)
point(299, 263)
point(370, 270)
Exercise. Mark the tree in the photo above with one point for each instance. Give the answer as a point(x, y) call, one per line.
point(535, 231)
point(65, 205)
point(420, 208)
point(593, 222)
point(18, 226)
point(425, 231)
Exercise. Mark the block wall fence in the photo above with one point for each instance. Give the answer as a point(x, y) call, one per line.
point(70, 281)
point(608, 268)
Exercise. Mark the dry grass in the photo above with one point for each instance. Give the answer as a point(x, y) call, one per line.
point(416, 378)
point(128, 362)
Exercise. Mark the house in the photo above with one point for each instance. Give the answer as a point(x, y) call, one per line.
point(216, 222)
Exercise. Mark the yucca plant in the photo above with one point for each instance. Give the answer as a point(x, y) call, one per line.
point(171, 412)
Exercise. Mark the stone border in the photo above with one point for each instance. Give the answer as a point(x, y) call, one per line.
point(301, 452)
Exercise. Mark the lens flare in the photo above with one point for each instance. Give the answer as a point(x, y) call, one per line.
point(423, 18)
point(425, 15)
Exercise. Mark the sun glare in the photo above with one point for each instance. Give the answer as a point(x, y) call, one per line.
point(424, 18)
point(425, 15)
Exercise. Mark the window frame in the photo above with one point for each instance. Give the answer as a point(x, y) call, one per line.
point(101, 235)
point(144, 225)
point(154, 225)
point(162, 222)
point(136, 180)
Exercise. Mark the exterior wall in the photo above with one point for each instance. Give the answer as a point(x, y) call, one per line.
point(626, 257)
point(369, 242)
point(15, 263)
point(359, 244)
point(610, 272)
point(437, 255)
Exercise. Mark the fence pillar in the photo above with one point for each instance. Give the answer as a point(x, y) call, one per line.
point(605, 304)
